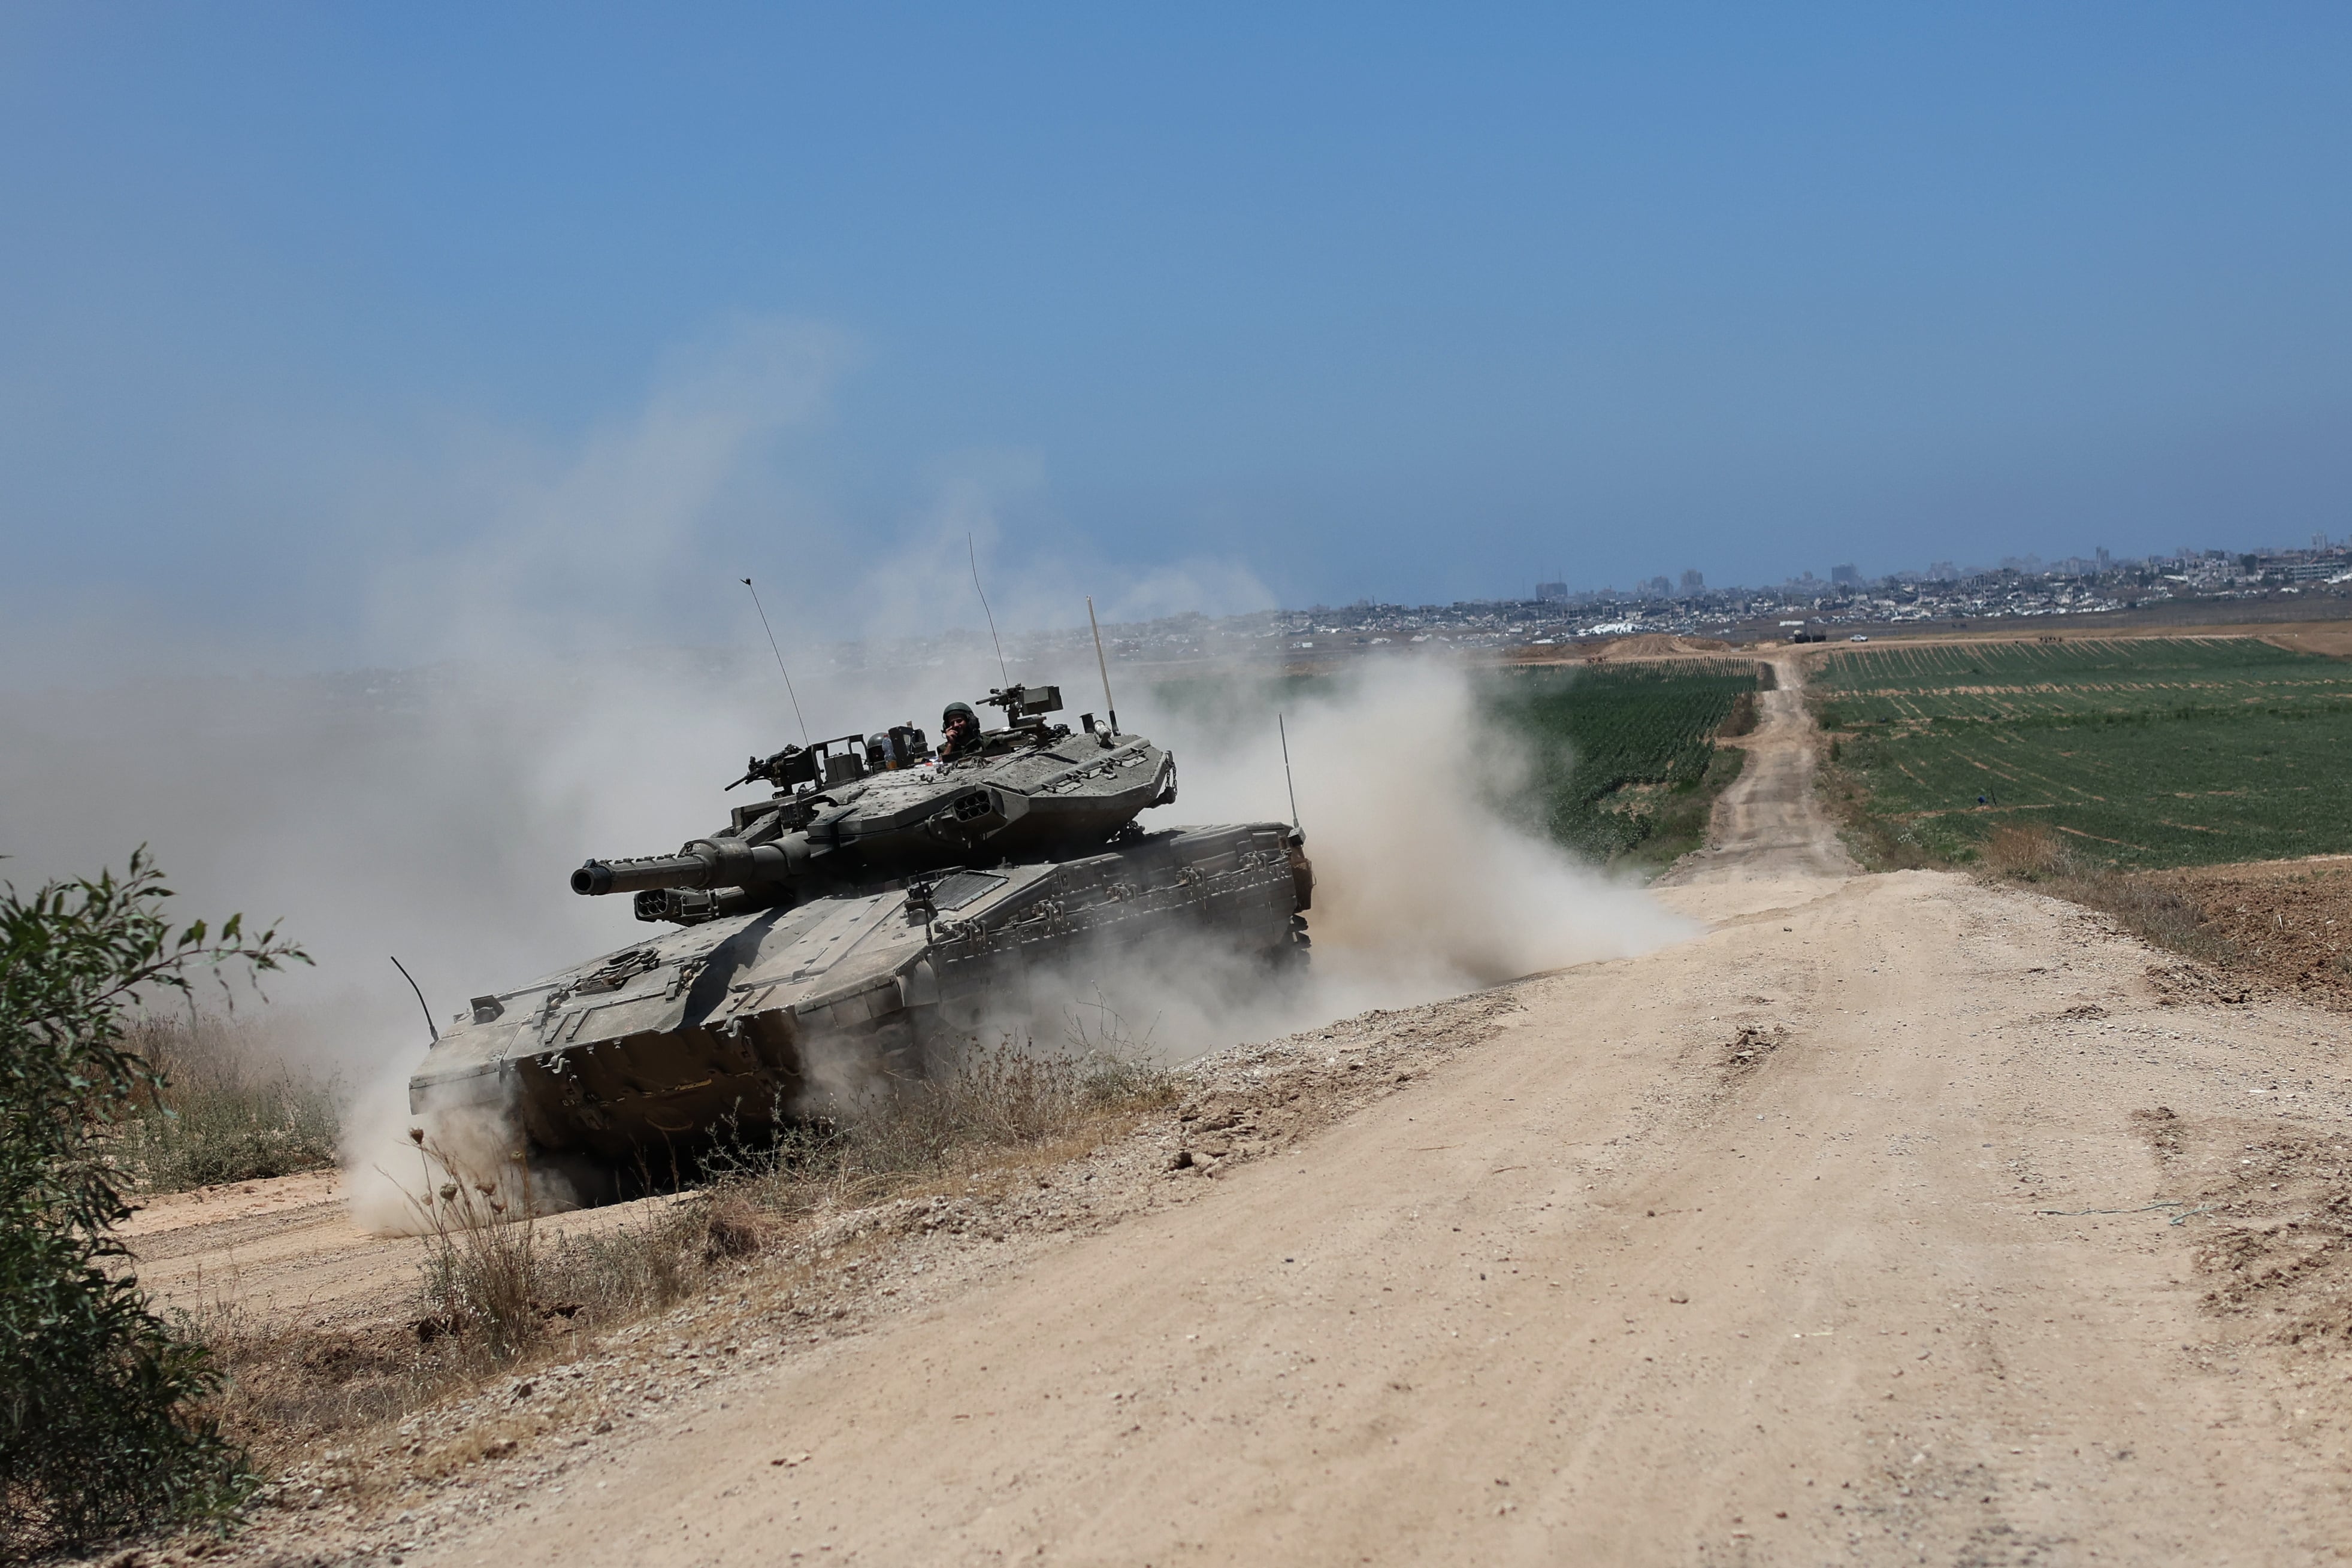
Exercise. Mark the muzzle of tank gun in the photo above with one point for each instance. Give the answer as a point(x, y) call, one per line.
point(703, 863)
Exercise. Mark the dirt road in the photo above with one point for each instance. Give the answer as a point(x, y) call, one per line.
point(1738, 1252)
point(1732, 1254)
point(288, 1251)
point(1768, 828)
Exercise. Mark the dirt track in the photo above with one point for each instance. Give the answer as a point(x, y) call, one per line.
point(1732, 1254)
point(288, 1251)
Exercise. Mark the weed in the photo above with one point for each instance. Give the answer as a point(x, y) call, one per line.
point(482, 1264)
point(217, 1111)
point(2033, 853)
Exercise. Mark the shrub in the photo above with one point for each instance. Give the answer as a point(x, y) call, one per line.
point(216, 1112)
point(98, 1430)
point(2029, 852)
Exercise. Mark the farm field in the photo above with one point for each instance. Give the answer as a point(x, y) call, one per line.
point(1625, 764)
point(2145, 752)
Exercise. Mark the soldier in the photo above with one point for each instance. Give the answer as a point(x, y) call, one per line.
point(958, 732)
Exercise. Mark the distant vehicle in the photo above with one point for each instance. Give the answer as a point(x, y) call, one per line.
point(1858, 637)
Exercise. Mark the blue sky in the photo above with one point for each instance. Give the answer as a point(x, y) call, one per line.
point(312, 316)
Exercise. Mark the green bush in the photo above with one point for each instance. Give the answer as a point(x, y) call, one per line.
point(219, 1110)
point(98, 1426)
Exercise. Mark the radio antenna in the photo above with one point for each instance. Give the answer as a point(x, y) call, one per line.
point(779, 652)
point(973, 551)
point(1287, 783)
point(1110, 706)
point(430, 1027)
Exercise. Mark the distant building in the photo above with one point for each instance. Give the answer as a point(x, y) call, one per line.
point(1851, 576)
point(1551, 592)
point(1657, 587)
point(1693, 582)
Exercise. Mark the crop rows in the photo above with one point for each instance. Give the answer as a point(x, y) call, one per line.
point(2013, 682)
point(2130, 658)
point(2161, 752)
point(1593, 731)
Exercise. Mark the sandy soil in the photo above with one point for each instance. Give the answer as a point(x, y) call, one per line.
point(1893, 1218)
point(287, 1251)
point(2288, 923)
point(284, 1248)
point(2332, 638)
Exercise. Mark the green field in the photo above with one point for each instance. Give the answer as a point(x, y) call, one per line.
point(2145, 752)
point(1625, 760)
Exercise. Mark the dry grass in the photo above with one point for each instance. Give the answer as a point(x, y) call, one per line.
point(2147, 909)
point(227, 1111)
point(499, 1293)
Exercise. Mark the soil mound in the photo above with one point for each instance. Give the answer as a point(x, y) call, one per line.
point(1659, 644)
point(2288, 923)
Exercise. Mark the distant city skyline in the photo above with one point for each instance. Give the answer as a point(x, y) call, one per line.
point(2100, 558)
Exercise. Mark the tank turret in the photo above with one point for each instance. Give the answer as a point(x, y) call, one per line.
point(836, 822)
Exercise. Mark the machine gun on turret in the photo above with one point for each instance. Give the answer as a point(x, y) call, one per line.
point(1025, 707)
point(787, 769)
point(900, 746)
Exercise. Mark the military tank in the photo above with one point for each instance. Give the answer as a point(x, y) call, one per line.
point(879, 910)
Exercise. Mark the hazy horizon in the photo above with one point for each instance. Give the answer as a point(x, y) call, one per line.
point(332, 332)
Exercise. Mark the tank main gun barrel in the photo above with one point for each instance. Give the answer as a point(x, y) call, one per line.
point(703, 864)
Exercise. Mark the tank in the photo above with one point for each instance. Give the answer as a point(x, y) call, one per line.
point(879, 911)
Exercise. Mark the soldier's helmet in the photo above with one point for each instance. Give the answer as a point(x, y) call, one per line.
point(949, 714)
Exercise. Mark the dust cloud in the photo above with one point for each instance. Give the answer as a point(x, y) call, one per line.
point(435, 814)
point(540, 706)
point(1425, 884)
